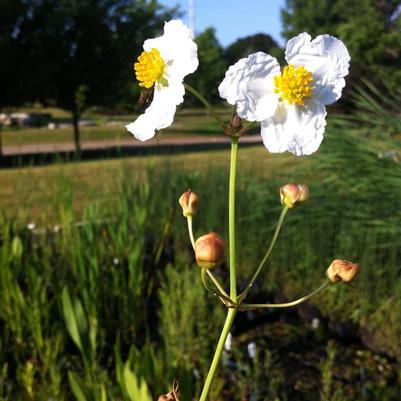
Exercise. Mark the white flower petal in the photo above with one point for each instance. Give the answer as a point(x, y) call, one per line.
point(249, 84)
point(296, 129)
point(160, 113)
point(179, 52)
point(176, 48)
point(326, 58)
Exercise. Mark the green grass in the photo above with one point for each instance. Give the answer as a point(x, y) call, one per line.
point(32, 193)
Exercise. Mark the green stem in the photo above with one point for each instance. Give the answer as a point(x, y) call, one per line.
point(201, 98)
point(224, 298)
point(190, 231)
point(244, 307)
point(222, 294)
point(233, 279)
point(216, 283)
point(231, 218)
point(269, 250)
point(219, 349)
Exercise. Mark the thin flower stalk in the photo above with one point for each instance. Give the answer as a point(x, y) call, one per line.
point(203, 100)
point(222, 294)
point(243, 295)
point(223, 298)
point(190, 231)
point(233, 279)
point(246, 307)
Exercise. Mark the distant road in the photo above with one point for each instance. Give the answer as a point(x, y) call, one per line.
point(49, 153)
point(155, 143)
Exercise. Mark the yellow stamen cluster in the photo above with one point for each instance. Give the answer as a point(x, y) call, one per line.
point(150, 68)
point(294, 84)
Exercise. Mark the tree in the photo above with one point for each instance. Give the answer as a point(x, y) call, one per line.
point(243, 47)
point(212, 65)
point(77, 53)
point(371, 29)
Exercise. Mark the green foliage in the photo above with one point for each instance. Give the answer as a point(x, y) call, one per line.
point(135, 388)
point(329, 391)
point(81, 329)
point(81, 391)
point(77, 51)
point(377, 107)
point(127, 264)
point(243, 47)
point(212, 65)
point(189, 322)
point(370, 30)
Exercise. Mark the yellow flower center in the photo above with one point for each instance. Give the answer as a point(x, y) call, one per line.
point(150, 68)
point(294, 84)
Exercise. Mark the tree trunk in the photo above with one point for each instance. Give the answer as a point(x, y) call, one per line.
point(77, 136)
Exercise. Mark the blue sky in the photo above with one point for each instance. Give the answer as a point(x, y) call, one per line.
point(235, 19)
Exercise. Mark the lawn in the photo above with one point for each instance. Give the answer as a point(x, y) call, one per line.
point(33, 193)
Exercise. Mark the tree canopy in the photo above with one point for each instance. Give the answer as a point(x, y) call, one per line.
point(212, 65)
point(63, 50)
point(371, 29)
point(243, 47)
point(74, 53)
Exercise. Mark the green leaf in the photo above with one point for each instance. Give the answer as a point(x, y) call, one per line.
point(120, 368)
point(17, 248)
point(81, 391)
point(81, 319)
point(137, 389)
point(70, 319)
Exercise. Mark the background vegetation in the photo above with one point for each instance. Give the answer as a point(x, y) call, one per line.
point(100, 298)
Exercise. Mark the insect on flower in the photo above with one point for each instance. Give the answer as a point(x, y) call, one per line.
point(160, 70)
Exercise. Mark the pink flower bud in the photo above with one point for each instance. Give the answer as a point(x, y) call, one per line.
point(189, 202)
point(293, 195)
point(209, 250)
point(341, 270)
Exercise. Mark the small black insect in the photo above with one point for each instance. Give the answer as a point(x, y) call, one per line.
point(146, 97)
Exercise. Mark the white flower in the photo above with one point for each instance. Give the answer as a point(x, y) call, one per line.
point(290, 104)
point(161, 68)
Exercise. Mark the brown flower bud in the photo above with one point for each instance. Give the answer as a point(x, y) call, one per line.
point(189, 202)
point(172, 395)
point(236, 122)
point(341, 270)
point(209, 250)
point(293, 195)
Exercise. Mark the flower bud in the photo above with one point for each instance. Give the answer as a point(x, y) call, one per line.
point(172, 395)
point(236, 122)
point(189, 202)
point(168, 397)
point(209, 250)
point(293, 195)
point(341, 270)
